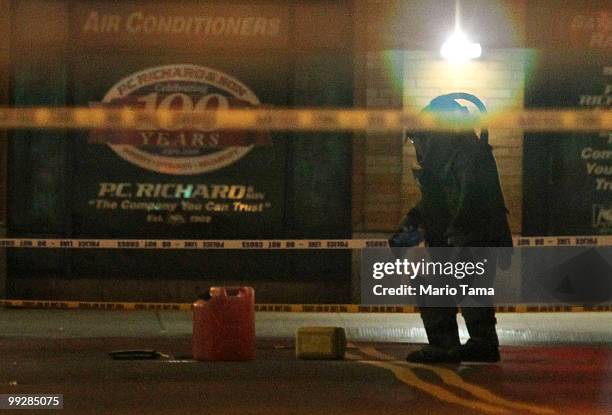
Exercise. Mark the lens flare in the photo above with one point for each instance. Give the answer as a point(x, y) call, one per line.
point(459, 49)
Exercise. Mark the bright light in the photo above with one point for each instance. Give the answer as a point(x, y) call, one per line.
point(458, 48)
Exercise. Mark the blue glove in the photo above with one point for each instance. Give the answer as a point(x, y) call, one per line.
point(406, 238)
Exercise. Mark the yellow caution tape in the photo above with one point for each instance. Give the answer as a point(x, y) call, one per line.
point(95, 305)
point(286, 308)
point(268, 244)
point(242, 244)
point(295, 119)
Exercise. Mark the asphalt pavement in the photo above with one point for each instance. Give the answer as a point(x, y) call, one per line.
point(66, 352)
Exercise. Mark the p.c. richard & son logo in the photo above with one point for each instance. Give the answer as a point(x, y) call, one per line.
point(183, 150)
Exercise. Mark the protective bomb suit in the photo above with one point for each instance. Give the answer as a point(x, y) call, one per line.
point(461, 205)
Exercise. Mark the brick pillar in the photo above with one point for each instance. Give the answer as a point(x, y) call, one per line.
point(377, 157)
point(382, 153)
point(4, 100)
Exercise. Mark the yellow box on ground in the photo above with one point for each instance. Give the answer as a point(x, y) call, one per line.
point(320, 343)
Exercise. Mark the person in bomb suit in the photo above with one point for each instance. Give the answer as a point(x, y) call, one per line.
point(461, 205)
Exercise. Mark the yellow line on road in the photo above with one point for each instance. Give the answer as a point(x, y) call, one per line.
point(407, 376)
point(451, 378)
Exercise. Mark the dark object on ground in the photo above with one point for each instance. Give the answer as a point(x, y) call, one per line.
point(136, 355)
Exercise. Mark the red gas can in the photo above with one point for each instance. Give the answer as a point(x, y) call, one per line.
point(224, 325)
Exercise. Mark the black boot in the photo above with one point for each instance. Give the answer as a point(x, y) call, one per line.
point(483, 345)
point(443, 335)
point(476, 350)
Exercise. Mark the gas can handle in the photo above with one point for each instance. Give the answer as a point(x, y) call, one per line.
point(234, 291)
